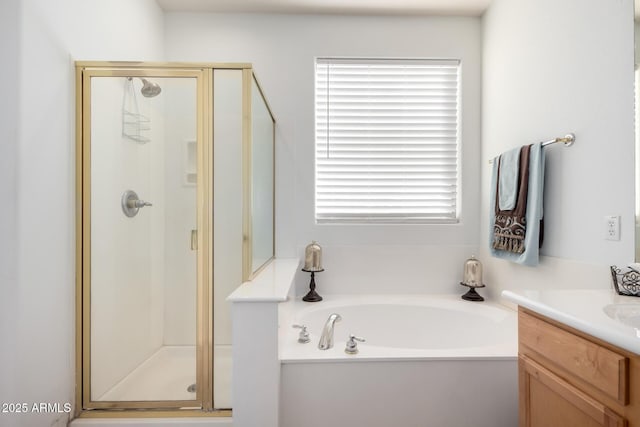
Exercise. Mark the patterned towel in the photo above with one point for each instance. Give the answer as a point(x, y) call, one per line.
point(510, 226)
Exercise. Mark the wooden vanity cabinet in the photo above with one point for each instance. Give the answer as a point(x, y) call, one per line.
point(570, 379)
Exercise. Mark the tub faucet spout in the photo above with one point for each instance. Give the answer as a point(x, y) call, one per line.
point(326, 339)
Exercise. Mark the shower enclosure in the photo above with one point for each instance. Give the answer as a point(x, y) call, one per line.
point(165, 192)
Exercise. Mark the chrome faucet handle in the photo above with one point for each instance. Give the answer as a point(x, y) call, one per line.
point(303, 338)
point(352, 345)
point(141, 204)
point(131, 203)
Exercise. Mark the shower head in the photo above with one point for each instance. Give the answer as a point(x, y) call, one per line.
point(150, 89)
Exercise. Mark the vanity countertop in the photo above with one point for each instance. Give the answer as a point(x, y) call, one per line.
point(601, 313)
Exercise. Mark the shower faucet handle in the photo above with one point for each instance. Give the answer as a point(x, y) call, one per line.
point(352, 345)
point(303, 338)
point(142, 204)
point(131, 203)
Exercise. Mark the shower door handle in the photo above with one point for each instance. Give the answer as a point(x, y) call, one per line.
point(194, 240)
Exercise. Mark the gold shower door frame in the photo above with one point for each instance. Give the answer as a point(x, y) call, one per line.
point(203, 404)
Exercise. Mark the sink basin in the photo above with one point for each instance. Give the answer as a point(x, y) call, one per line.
point(628, 314)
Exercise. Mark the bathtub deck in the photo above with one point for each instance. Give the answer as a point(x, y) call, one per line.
point(440, 333)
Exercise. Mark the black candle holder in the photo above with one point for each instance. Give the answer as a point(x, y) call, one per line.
point(312, 295)
point(471, 294)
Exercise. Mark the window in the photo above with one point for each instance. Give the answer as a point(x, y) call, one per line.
point(387, 135)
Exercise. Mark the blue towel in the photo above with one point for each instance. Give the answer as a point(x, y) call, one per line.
point(534, 212)
point(509, 169)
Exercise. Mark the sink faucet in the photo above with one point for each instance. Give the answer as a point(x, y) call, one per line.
point(326, 339)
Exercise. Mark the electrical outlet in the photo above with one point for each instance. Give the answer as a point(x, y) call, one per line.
point(612, 227)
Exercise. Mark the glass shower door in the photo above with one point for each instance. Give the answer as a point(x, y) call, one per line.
point(145, 338)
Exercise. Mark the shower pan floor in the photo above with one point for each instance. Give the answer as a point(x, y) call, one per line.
point(168, 373)
point(165, 375)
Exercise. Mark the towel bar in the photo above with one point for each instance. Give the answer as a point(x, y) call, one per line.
point(567, 140)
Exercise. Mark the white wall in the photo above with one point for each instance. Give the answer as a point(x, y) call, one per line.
point(282, 48)
point(550, 68)
point(9, 132)
point(38, 300)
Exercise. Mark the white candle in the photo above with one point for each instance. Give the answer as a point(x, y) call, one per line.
point(472, 272)
point(313, 257)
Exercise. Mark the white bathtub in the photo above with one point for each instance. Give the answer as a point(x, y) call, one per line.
point(432, 360)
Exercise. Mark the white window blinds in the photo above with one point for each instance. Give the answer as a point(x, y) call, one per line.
point(387, 140)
